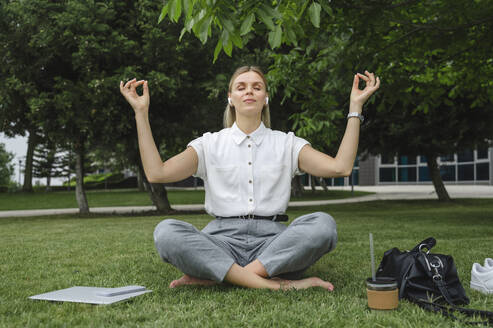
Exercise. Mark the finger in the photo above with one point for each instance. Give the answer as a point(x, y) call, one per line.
point(377, 85)
point(146, 89)
point(136, 84)
point(355, 81)
point(363, 77)
point(372, 90)
point(127, 85)
point(121, 86)
point(371, 78)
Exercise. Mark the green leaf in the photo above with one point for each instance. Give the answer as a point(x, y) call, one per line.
point(224, 37)
point(236, 40)
point(275, 37)
point(227, 44)
point(270, 11)
point(228, 48)
point(266, 19)
point(291, 36)
point(217, 51)
point(314, 12)
point(190, 21)
point(326, 7)
point(228, 25)
point(246, 26)
point(175, 10)
point(183, 31)
point(188, 8)
point(197, 21)
point(204, 29)
point(164, 11)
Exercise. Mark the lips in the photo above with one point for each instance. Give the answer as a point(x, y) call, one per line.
point(248, 101)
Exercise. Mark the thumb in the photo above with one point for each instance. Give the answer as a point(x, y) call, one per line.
point(146, 89)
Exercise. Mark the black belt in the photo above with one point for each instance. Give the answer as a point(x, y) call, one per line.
point(277, 218)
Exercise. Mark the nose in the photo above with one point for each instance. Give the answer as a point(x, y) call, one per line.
point(249, 90)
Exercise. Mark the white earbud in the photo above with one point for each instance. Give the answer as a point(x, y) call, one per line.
point(266, 100)
point(230, 102)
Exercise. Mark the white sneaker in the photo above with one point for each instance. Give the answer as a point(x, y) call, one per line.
point(488, 262)
point(482, 278)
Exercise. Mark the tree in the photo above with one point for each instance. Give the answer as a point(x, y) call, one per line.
point(22, 65)
point(6, 167)
point(47, 162)
point(434, 58)
point(436, 66)
point(233, 22)
point(73, 46)
point(87, 48)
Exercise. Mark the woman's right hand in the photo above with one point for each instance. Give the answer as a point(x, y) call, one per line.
point(140, 104)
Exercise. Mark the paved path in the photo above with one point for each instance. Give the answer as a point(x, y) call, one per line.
point(389, 192)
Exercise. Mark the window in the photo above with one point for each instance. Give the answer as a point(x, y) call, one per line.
point(407, 174)
point(447, 172)
point(387, 174)
point(305, 180)
point(355, 177)
point(466, 172)
point(483, 153)
point(339, 182)
point(407, 160)
point(422, 159)
point(447, 158)
point(424, 173)
point(465, 156)
point(483, 171)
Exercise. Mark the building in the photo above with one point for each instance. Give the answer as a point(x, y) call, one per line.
point(468, 167)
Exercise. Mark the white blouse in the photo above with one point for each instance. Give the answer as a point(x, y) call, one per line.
point(247, 174)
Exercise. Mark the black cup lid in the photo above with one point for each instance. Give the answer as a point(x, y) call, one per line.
point(382, 282)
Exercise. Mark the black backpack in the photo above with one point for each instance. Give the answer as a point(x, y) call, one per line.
point(429, 280)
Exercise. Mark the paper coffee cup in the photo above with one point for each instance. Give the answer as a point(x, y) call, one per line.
point(382, 293)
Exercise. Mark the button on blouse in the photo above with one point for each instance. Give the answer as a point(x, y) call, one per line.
point(247, 174)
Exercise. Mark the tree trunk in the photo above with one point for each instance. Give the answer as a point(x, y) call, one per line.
point(28, 165)
point(51, 161)
point(158, 194)
point(323, 184)
point(296, 186)
point(48, 183)
point(80, 193)
point(140, 179)
point(437, 178)
point(312, 183)
point(70, 153)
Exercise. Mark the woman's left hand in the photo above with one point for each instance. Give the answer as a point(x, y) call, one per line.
point(359, 97)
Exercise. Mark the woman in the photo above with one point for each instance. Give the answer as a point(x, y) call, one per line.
point(247, 170)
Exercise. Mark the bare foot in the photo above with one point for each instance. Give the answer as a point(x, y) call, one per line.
point(189, 280)
point(304, 283)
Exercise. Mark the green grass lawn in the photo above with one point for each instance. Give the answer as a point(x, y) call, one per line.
point(47, 253)
point(102, 198)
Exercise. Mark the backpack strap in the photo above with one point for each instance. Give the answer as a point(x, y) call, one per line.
point(428, 243)
point(448, 311)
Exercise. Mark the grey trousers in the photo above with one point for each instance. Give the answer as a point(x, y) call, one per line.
point(210, 253)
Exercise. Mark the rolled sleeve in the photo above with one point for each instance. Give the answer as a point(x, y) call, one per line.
point(198, 145)
point(298, 143)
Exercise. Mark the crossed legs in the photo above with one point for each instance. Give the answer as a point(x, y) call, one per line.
point(211, 261)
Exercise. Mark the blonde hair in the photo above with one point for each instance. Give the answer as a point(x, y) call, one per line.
point(229, 114)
